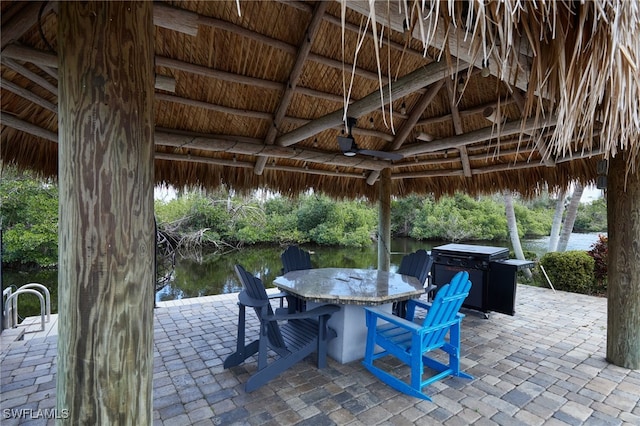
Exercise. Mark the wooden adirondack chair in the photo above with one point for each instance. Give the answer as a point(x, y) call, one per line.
point(292, 336)
point(410, 341)
point(416, 264)
point(295, 259)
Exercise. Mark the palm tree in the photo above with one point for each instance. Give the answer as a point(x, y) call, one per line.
point(557, 222)
point(513, 229)
point(569, 220)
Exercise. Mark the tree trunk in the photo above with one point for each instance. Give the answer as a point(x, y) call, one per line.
point(623, 282)
point(384, 221)
point(557, 222)
point(106, 278)
point(512, 224)
point(570, 218)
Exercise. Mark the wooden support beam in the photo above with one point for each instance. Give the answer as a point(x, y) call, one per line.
point(623, 289)
point(384, 221)
point(464, 159)
point(175, 64)
point(223, 143)
point(294, 76)
point(186, 21)
point(508, 129)
point(250, 146)
point(459, 44)
point(107, 237)
point(45, 59)
point(24, 126)
point(489, 169)
point(464, 113)
point(540, 144)
point(249, 165)
point(403, 86)
point(457, 127)
point(166, 83)
point(410, 123)
point(175, 19)
point(213, 107)
point(50, 60)
point(336, 20)
point(26, 94)
point(25, 72)
point(422, 136)
point(29, 54)
point(416, 113)
point(23, 21)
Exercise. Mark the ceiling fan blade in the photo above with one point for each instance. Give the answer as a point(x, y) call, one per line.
point(381, 154)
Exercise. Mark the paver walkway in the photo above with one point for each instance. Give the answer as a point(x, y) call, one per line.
point(545, 365)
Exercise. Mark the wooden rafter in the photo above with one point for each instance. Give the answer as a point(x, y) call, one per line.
point(22, 70)
point(294, 76)
point(26, 94)
point(254, 147)
point(26, 18)
point(49, 60)
point(408, 125)
point(403, 86)
point(458, 44)
point(484, 134)
point(457, 127)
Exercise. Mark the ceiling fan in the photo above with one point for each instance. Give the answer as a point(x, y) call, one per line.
point(349, 148)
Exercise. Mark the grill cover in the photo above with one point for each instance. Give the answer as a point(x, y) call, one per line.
point(487, 253)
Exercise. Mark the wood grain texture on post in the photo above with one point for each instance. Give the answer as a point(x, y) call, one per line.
point(623, 282)
point(384, 221)
point(106, 244)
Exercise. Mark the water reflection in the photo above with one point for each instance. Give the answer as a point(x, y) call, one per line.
point(215, 275)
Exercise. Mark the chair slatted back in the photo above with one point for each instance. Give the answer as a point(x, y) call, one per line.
point(417, 264)
point(445, 307)
point(295, 259)
point(255, 289)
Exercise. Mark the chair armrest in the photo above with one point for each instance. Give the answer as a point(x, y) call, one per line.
point(430, 288)
point(313, 313)
point(394, 319)
point(278, 295)
point(247, 300)
point(421, 304)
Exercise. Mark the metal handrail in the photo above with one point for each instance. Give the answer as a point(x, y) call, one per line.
point(30, 291)
point(47, 296)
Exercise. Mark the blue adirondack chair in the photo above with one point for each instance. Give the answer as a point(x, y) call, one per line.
point(292, 336)
point(294, 259)
point(416, 264)
point(410, 340)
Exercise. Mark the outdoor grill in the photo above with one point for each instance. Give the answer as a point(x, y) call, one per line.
point(492, 274)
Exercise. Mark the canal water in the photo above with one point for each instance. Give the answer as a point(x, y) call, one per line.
point(214, 274)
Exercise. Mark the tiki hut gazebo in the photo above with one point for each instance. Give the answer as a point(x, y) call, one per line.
point(479, 97)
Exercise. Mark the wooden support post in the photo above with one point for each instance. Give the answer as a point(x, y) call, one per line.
point(384, 221)
point(623, 283)
point(107, 240)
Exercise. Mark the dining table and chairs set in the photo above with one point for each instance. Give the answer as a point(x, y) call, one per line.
point(354, 314)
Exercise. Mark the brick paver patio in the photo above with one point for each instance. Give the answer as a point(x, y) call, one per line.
point(545, 365)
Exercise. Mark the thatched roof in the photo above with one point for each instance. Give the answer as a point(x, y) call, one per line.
point(508, 95)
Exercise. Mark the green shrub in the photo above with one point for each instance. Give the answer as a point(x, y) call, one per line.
point(599, 251)
point(570, 271)
point(29, 218)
